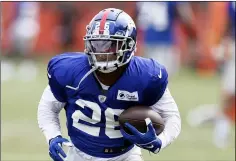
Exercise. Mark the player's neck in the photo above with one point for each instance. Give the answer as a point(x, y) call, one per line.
point(109, 79)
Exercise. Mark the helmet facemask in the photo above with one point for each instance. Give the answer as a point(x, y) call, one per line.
point(106, 52)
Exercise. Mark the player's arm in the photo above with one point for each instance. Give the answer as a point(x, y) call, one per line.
point(163, 103)
point(52, 101)
point(158, 97)
point(48, 114)
point(48, 119)
point(168, 110)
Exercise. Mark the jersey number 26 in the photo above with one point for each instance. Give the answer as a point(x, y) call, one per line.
point(111, 123)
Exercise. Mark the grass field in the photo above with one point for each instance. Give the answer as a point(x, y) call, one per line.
point(22, 140)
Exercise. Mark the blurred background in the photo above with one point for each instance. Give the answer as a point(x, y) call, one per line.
point(194, 40)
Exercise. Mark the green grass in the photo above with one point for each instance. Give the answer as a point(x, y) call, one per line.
point(22, 139)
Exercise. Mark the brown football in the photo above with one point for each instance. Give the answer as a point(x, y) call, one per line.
point(136, 116)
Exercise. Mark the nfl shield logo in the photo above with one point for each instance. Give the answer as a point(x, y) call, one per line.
point(102, 98)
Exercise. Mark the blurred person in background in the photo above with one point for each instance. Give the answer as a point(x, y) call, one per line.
point(189, 33)
point(210, 32)
point(23, 34)
point(68, 13)
point(156, 21)
point(222, 115)
point(25, 28)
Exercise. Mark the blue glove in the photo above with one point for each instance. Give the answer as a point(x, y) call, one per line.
point(55, 148)
point(148, 140)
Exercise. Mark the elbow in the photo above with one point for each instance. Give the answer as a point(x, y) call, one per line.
point(41, 116)
point(177, 122)
point(45, 114)
point(177, 125)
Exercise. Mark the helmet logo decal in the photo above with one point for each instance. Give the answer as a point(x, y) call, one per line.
point(97, 29)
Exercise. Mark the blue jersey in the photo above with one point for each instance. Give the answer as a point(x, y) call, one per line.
point(231, 12)
point(157, 21)
point(92, 113)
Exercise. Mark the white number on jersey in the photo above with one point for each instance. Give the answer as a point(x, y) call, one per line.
point(96, 118)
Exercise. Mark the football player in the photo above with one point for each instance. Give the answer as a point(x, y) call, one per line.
point(222, 115)
point(94, 87)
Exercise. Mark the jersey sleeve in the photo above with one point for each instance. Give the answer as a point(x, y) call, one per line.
point(156, 86)
point(56, 73)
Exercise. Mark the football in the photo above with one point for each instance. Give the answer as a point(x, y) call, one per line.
point(136, 116)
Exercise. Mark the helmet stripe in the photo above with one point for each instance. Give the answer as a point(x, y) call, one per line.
point(103, 21)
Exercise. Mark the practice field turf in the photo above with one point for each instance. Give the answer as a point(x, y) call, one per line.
point(22, 140)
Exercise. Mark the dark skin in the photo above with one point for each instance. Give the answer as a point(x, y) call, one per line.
point(109, 79)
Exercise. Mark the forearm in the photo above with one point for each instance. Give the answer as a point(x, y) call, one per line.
point(168, 110)
point(48, 114)
point(171, 131)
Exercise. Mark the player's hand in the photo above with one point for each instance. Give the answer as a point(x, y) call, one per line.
point(148, 140)
point(55, 148)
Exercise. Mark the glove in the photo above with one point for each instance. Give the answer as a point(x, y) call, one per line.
point(148, 140)
point(55, 148)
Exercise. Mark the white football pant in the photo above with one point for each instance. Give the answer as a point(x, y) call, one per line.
point(76, 155)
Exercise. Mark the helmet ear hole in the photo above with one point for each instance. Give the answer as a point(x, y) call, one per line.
point(130, 44)
point(124, 46)
point(120, 58)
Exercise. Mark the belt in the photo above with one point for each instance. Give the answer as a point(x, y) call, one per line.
point(120, 149)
